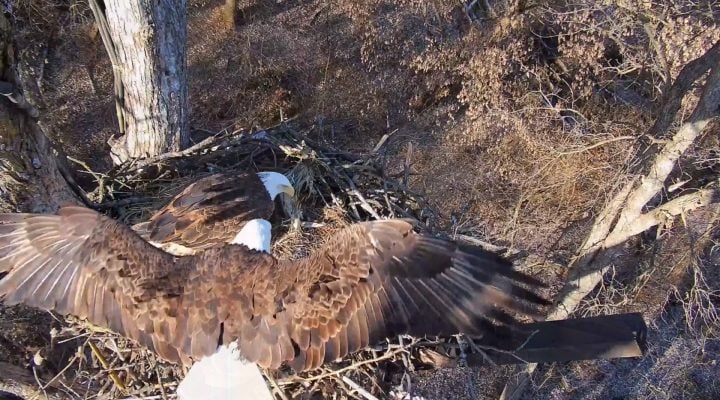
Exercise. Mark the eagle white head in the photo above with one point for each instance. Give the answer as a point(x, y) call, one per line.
point(276, 183)
point(255, 235)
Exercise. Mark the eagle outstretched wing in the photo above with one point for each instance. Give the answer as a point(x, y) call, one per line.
point(370, 281)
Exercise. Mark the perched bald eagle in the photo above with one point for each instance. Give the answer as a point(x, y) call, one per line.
point(212, 210)
point(370, 281)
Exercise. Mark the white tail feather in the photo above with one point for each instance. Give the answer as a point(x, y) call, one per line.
point(224, 375)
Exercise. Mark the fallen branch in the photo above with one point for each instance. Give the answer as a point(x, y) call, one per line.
point(684, 81)
point(663, 213)
point(625, 212)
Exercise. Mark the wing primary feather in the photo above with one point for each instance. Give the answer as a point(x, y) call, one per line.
point(452, 311)
point(332, 348)
point(343, 348)
point(63, 297)
point(353, 335)
point(361, 316)
point(21, 269)
point(54, 278)
point(47, 275)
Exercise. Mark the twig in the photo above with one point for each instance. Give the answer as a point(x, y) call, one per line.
point(362, 392)
point(382, 141)
point(353, 366)
point(407, 164)
point(59, 374)
point(160, 383)
point(106, 365)
point(176, 154)
point(37, 380)
point(98, 177)
point(274, 384)
point(20, 382)
point(363, 202)
point(594, 145)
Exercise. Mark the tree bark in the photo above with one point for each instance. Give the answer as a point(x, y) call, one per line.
point(149, 41)
point(229, 13)
point(33, 176)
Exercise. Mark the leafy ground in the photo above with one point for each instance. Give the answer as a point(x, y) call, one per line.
point(515, 119)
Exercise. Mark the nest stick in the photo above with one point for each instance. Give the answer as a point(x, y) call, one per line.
point(106, 365)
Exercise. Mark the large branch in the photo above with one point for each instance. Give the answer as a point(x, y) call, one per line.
point(22, 383)
point(688, 75)
point(654, 181)
point(597, 252)
point(663, 213)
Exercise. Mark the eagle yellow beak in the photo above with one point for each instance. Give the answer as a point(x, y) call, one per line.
point(288, 190)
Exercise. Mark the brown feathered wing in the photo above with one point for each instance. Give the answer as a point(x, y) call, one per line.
point(372, 280)
point(209, 212)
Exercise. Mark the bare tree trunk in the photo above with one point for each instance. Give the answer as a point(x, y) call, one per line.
point(33, 176)
point(148, 41)
point(229, 13)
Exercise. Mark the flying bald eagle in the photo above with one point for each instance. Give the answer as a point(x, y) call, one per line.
point(212, 210)
point(370, 281)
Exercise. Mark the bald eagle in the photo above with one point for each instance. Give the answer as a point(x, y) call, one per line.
point(370, 281)
point(212, 210)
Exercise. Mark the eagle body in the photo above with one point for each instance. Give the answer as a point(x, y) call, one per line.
point(212, 210)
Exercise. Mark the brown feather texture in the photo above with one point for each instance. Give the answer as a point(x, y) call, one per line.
point(210, 211)
point(371, 281)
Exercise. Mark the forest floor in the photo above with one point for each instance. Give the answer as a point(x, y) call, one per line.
point(474, 110)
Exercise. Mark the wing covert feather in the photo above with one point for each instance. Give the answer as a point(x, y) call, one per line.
point(210, 211)
point(378, 279)
point(82, 263)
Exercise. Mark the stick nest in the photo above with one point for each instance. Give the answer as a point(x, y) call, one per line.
point(333, 188)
